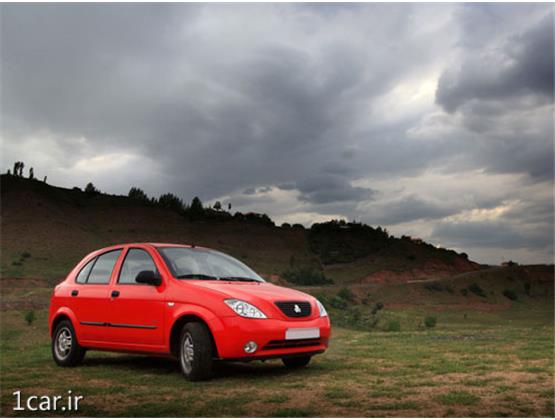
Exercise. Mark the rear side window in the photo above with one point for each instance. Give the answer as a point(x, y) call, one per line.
point(136, 260)
point(103, 267)
point(84, 273)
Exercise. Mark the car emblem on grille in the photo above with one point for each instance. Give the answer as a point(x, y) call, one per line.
point(297, 309)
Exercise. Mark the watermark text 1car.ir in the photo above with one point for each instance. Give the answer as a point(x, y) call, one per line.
point(68, 402)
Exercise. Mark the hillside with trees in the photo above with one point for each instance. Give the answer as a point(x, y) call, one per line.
point(56, 227)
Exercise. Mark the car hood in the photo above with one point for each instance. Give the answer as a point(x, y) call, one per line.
point(251, 291)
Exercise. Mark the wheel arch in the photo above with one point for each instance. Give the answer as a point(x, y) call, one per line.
point(64, 314)
point(178, 325)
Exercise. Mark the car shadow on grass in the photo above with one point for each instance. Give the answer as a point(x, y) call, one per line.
point(222, 369)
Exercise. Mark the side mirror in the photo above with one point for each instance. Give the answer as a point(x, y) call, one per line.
point(148, 277)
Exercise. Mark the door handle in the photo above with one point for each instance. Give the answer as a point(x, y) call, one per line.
point(74, 292)
point(115, 293)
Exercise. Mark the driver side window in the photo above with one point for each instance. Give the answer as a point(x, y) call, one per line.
point(136, 260)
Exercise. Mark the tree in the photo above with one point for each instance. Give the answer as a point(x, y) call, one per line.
point(196, 211)
point(171, 201)
point(45, 179)
point(90, 189)
point(217, 206)
point(31, 173)
point(21, 166)
point(137, 194)
point(228, 206)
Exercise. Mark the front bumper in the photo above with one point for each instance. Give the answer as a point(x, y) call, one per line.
point(269, 335)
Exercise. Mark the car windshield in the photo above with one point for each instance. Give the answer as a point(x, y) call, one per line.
point(205, 264)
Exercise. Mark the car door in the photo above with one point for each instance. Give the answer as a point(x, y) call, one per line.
point(90, 295)
point(136, 311)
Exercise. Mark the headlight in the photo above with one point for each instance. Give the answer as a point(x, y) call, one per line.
point(321, 309)
point(245, 309)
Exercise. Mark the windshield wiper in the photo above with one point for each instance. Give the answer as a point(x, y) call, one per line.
point(196, 277)
point(238, 278)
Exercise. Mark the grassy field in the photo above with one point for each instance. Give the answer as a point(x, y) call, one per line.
point(472, 363)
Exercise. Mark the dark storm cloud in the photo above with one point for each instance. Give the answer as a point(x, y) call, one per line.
point(309, 104)
point(408, 209)
point(329, 188)
point(491, 234)
point(523, 66)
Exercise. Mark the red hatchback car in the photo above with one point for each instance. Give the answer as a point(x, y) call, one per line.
point(195, 304)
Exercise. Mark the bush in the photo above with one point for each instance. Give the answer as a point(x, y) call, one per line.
point(306, 276)
point(346, 294)
point(338, 303)
point(477, 290)
point(393, 326)
point(377, 307)
point(430, 321)
point(510, 294)
point(30, 317)
point(26, 255)
point(464, 292)
point(433, 287)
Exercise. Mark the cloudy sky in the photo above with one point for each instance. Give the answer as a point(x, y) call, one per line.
point(432, 120)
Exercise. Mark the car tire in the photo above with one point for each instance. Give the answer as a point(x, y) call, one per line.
point(66, 350)
point(296, 361)
point(196, 352)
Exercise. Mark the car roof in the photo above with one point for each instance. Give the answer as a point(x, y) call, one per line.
point(152, 244)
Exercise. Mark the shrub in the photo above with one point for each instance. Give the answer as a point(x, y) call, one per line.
point(477, 290)
point(26, 255)
point(30, 317)
point(324, 300)
point(17, 263)
point(393, 326)
point(464, 292)
point(433, 287)
point(354, 316)
point(307, 276)
point(346, 294)
point(430, 321)
point(338, 303)
point(510, 294)
point(377, 307)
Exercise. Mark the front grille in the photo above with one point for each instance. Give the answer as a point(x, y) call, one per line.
point(295, 309)
point(287, 344)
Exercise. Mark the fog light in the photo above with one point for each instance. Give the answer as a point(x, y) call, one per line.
point(250, 347)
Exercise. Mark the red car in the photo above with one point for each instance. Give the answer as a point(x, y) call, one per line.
point(195, 304)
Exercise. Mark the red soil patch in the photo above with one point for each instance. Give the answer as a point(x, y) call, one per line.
point(432, 269)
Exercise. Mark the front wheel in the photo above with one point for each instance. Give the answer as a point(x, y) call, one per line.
point(65, 348)
point(195, 351)
point(296, 361)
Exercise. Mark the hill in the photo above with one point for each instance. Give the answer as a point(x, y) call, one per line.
point(46, 230)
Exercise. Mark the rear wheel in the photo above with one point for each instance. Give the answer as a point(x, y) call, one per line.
point(65, 348)
point(195, 351)
point(296, 362)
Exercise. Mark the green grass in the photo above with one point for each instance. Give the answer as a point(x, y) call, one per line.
point(277, 399)
point(290, 412)
point(459, 398)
